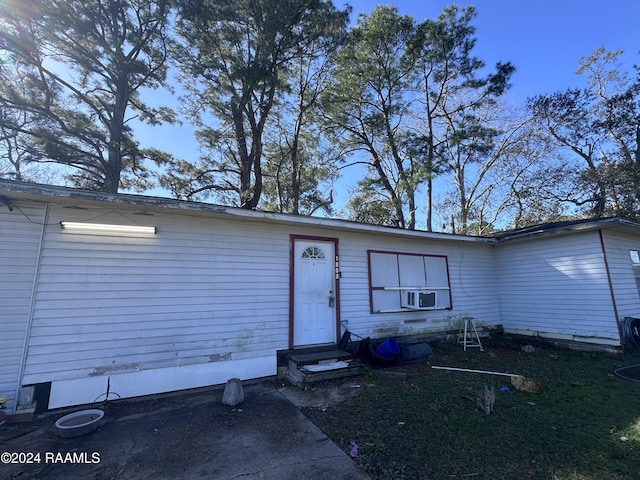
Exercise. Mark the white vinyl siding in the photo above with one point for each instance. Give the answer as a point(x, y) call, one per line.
point(20, 239)
point(623, 277)
point(556, 286)
point(207, 297)
point(203, 291)
point(196, 292)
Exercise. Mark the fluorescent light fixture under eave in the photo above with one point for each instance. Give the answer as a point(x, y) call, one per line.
point(104, 227)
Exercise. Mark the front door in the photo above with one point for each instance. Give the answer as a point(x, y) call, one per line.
point(314, 293)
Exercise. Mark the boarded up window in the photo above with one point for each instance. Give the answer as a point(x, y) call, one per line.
point(392, 275)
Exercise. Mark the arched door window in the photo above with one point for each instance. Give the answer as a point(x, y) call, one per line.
point(312, 252)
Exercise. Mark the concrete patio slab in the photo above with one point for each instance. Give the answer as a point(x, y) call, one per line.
point(189, 436)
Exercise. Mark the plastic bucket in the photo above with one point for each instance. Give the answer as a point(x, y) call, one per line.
point(388, 349)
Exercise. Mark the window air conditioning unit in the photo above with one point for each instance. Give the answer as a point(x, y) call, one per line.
point(417, 299)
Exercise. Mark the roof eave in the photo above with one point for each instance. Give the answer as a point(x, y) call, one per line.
point(595, 224)
point(47, 192)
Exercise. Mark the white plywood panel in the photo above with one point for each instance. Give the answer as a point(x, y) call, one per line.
point(412, 271)
point(436, 268)
point(76, 391)
point(385, 300)
point(384, 269)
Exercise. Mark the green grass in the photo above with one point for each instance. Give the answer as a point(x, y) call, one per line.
point(412, 422)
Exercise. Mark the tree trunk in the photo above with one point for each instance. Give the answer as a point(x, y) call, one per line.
point(257, 174)
point(296, 173)
point(412, 212)
point(113, 167)
point(429, 201)
point(464, 209)
point(393, 197)
point(244, 158)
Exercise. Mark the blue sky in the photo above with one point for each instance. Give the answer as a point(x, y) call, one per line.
point(544, 40)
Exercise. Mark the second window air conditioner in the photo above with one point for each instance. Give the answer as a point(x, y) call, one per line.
point(418, 299)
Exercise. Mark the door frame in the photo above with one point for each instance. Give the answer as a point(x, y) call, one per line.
point(337, 274)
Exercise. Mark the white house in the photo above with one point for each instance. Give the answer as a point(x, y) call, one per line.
point(132, 295)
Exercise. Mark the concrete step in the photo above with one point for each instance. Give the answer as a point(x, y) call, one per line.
point(305, 367)
point(301, 358)
point(302, 377)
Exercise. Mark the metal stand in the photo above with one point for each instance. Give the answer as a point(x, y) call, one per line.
point(468, 335)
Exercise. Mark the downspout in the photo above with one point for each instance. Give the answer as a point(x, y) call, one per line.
point(611, 291)
point(292, 259)
point(32, 303)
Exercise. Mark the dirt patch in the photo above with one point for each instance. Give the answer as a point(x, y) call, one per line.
point(324, 394)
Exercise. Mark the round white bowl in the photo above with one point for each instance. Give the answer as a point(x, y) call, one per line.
point(79, 423)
